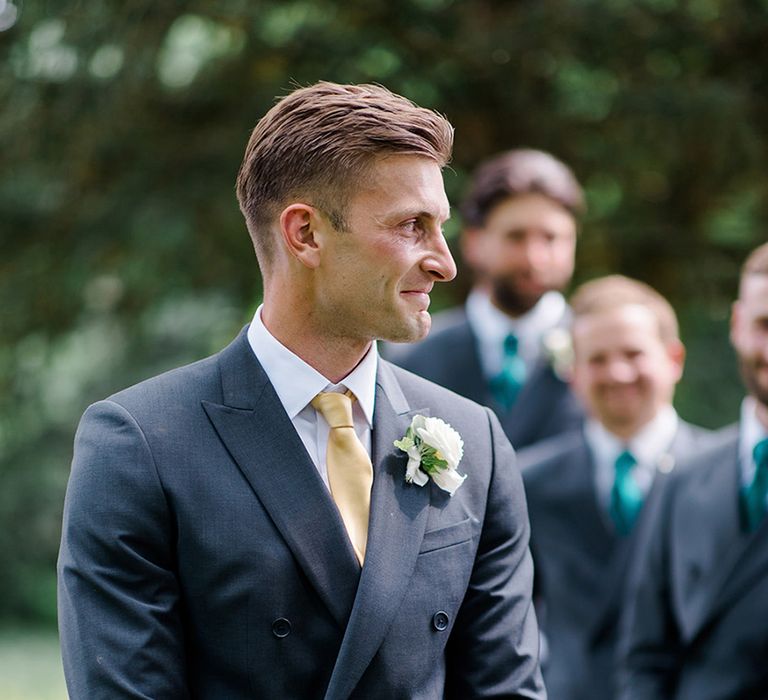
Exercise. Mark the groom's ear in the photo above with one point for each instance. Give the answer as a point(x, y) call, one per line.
point(300, 225)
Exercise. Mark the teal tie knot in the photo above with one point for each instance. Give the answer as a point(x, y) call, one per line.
point(626, 495)
point(754, 495)
point(510, 345)
point(506, 385)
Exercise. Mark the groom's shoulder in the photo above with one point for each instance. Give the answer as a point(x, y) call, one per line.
point(185, 385)
point(194, 382)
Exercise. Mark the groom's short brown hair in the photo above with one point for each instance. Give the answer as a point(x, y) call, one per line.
point(317, 142)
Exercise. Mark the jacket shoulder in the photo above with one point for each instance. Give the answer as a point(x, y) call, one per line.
point(539, 460)
point(179, 384)
point(713, 450)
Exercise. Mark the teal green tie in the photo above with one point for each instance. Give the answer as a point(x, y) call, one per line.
point(506, 385)
point(626, 496)
point(754, 495)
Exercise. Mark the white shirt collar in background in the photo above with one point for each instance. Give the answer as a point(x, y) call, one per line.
point(649, 446)
point(491, 325)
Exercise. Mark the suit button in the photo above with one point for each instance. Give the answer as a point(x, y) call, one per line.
point(281, 627)
point(440, 621)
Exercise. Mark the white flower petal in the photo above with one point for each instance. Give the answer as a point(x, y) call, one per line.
point(412, 472)
point(420, 478)
point(438, 434)
point(413, 465)
point(418, 423)
point(449, 480)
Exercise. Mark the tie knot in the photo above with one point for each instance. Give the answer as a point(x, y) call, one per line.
point(760, 454)
point(624, 463)
point(510, 345)
point(335, 408)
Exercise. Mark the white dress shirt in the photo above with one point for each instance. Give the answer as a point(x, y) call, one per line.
point(297, 383)
point(751, 431)
point(649, 446)
point(491, 326)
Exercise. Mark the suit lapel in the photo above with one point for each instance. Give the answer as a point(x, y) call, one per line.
point(746, 563)
point(526, 411)
point(470, 381)
point(750, 566)
point(706, 537)
point(624, 549)
point(536, 400)
point(397, 524)
point(257, 432)
point(599, 530)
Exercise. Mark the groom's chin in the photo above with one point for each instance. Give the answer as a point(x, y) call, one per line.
point(411, 330)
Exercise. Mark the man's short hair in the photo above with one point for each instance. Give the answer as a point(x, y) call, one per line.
point(518, 172)
point(615, 291)
point(316, 144)
point(756, 262)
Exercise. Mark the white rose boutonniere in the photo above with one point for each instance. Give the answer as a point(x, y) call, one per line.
point(559, 352)
point(434, 450)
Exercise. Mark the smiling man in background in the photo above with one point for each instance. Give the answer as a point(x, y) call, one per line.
point(696, 627)
point(587, 488)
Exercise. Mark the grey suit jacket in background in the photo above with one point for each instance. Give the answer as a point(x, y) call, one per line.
point(697, 629)
point(449, 357)
point(581, 562)
point(203, 557)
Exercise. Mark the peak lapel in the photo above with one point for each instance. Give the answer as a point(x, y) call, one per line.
point(707, 536)
point(750, 566)
point(536, 397)
point(397, 524)
point(470, 381)
point(257, 432)
point(625, 548)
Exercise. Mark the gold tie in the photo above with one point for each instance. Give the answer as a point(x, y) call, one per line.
point(350, 474)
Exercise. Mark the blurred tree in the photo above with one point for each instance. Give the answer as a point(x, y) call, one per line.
point(122, 251)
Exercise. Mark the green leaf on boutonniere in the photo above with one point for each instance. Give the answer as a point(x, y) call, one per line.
point(430, 461)
point(406, 442)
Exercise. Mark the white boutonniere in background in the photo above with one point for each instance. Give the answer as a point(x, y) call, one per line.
point(558, 350)
point(434, 450)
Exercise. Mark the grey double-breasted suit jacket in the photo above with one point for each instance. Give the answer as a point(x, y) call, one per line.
point(203, 557)
point(698, 626)
point(449, 357)
point(581, 562)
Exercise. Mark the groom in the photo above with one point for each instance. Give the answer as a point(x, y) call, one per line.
point(243, 527)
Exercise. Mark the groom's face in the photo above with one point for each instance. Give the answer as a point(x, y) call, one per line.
point(375, 278)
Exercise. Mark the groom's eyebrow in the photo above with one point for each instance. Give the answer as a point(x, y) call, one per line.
point(438, 213)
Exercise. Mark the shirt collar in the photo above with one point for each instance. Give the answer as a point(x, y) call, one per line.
point(491, 325)
point(751, 431)
point(646, 446)
point(297, 383)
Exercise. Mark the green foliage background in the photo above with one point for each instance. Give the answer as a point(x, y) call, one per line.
point(122, 125)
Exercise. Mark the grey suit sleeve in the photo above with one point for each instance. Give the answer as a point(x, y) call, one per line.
point(494, 647)
point(119, 622)
point(649, 646)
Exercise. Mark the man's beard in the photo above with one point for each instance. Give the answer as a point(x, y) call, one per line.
point(749, 371)
point(510, 299)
